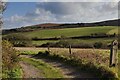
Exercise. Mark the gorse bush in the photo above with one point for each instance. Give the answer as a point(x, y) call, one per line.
point(9, 58)
point(9, 54)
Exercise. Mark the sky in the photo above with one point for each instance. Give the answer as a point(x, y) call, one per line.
point(20, 14)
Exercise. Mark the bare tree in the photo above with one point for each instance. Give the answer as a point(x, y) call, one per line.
point(2, 8)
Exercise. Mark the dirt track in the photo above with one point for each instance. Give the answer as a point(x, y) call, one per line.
point(30, 71)
point(67, 71)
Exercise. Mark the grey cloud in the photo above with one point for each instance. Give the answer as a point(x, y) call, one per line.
point(55, 7)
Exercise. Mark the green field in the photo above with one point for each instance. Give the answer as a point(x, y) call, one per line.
point(70, 32)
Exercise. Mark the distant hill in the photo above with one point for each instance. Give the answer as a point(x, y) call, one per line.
point(105, 23)
point(47, 25)
point(58, 26)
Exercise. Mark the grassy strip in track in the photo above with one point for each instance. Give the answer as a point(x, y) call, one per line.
point(28, 52)
point(48, 71)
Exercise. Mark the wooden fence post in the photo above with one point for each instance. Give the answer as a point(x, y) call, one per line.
point(114, 54)
point(48, 48)
point(70, 51)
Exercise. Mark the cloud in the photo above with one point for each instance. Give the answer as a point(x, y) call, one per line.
point(80, 0)
point(80, 11)
point(46, 12)
point(59, 7)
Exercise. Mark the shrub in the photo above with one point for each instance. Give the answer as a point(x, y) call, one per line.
point(18, 40)
point(9, 54)
point(63, 43)
point(66, 43)
point(47, 53)
point(9, 57)
point(98, 44)
point(82, 45)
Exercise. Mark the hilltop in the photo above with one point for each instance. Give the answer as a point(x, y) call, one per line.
point(59, 26)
